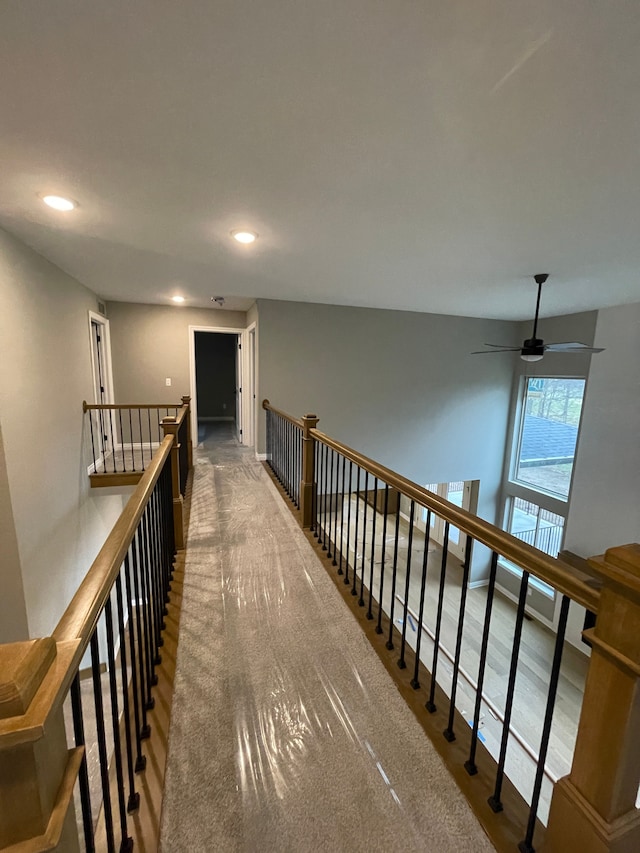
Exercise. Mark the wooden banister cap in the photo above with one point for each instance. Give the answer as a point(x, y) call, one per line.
point(169, 420)
point(311, 417)
point(620, 566)
point(23, 667)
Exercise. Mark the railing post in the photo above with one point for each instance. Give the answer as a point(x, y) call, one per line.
point(186, 401)
point(593, 808)
point(170, 427)
point(307, 484)
point(37, 774)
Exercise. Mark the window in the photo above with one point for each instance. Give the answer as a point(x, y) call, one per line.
point(537, 488)
point(537, 526)
point(548, 434)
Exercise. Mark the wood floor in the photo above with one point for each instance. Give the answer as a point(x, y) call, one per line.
point(534, 662)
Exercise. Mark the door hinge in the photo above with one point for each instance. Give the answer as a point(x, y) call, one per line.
point(239, 346)
point(98, 338)
point(102, 389)
point(240, 432)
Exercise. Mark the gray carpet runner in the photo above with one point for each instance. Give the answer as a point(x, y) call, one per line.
point(287, 733)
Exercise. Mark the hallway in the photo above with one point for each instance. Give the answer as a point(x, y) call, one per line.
point(287, 733)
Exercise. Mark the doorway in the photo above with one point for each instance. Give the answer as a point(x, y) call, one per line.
point(218, 383)
point(462, 493)
point(101, 371)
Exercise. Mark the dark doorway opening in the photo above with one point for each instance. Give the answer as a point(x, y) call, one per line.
point(217, 392)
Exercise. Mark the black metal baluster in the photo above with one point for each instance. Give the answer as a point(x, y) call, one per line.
point(415, 681)
point(156, 566)
point(156, 569)
point(354, 590)
point(142, 633)
point(314, 492)
point(93, 446)
point(150, 439)
point(152, 678)
point(325, 468)
point(470, 764)
point(141, 444)
point(405, 616)
point(364, 539)
point(124, 461)
point(494, 800)
point(346, 561)
point(158, 419)
point(102, 742)
point(141, 761)
point(126, 844)
point(383, 557)
point(394, 577)
point(83, 775)
point(133, 458)
point(344, 467)
point(318, 470)
point(373, 545)
point(448, 732)
point(113, 443)
point(335, 464)
point(328, 497)
point(134, 797)
point(526, 845)
point(430, 703)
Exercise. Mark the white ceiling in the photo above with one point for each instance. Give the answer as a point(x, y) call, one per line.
point(405, 154)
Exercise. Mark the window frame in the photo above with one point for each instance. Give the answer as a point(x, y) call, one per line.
point(513, 488)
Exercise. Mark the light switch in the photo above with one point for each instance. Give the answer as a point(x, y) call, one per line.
point(168, 381)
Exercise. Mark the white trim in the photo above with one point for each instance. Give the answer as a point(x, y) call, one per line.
point(240, 332)
point(261, 457)
point(106, 339)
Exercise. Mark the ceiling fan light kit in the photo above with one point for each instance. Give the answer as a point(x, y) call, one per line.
point(534, 348)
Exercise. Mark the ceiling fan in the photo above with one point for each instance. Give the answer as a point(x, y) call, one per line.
point(534, 348)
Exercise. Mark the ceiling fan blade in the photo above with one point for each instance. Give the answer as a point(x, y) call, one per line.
point(571, 346)
point(501, 346)
point(504, 349)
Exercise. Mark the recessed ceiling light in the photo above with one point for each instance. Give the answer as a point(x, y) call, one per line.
point(58, 202)
point(244, 236)
point(178, 298)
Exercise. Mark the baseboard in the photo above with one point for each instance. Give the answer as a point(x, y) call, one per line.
point(261, 457)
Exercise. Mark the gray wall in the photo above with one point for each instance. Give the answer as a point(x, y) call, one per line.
point(151, 342)
point(13, 611)
point(605, 502)
point(216, 375)
point(45, 373)
point(400, 387)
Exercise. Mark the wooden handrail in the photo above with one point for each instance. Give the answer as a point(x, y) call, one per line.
point(563, 577)
point(81, 616)
point(90, 406)
point(295, 421)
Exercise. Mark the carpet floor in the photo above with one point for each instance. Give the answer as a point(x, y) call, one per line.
point(287, 733)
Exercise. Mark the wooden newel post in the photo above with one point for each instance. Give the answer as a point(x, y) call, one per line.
point(37, 771)
point(307, 484)
point(186, 401)
point(593, 808)
point(170, 427)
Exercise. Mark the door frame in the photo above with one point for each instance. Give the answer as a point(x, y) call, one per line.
point(105, 447)
point(242, 362)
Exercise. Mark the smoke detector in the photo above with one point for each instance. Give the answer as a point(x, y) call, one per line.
point(219, 300)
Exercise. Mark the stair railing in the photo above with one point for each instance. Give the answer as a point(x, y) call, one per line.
point(352, 507)
point(114, 626)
